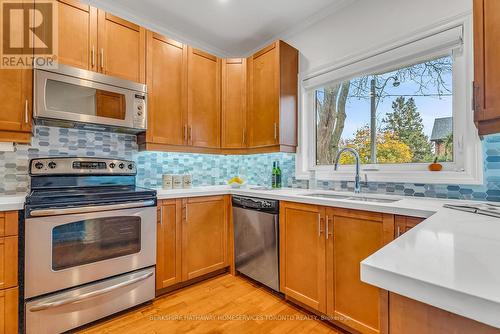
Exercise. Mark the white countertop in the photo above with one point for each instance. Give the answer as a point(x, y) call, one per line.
point(448, 261)
point(12, 202)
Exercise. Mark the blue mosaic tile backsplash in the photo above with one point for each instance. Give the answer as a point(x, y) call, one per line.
point(216, 169)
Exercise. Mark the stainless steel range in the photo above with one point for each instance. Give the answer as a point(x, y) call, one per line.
point(90, 242)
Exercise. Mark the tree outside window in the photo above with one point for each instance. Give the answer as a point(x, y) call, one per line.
point(402, 116)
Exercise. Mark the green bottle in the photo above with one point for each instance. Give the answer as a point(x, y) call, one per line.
point(274, 176)
point(278, 175)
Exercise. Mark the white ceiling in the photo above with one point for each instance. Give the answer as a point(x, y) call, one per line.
point(225, 27)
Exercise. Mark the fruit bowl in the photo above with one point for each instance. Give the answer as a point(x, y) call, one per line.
point(236, 182)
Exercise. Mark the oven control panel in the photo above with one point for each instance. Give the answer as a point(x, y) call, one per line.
point(82, 166)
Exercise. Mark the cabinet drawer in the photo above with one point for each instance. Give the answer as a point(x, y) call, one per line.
point(9, 311)
point(8, 223)
point(8, 262)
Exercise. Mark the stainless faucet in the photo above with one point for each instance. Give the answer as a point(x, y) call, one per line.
point(357, 186)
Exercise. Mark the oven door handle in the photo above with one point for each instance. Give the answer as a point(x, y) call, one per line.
point(88, 295)
point(87, 209)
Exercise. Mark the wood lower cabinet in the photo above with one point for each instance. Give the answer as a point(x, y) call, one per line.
point(9, 295)
point(403, 224)
point(234, 103)
point(204, 235)
point(321, 249)
point(169, 244)
point(302, 254)
point(353, 236)
point(192, 239)
point(204, 109)
point(272, 118)
point(408, 316)
point(9, 319)
point(487, 66)
point(77, 36)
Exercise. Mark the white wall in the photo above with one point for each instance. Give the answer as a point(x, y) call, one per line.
point(369, 24)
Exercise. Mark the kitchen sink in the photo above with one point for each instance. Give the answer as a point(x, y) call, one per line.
point(353, 198)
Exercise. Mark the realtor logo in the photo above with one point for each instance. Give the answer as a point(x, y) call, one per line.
point(29, 33)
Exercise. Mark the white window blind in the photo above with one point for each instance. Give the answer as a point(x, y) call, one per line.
point(439, 44)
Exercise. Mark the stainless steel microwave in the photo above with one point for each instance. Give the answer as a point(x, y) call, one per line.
point(72, 97)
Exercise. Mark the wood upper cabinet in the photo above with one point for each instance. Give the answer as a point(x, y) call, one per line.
point(9, 311)
point(272, 117)
point(204, 235)
point(122, 48)
point(169, 242)
point(77, 36)
point(94, 40)
point(487, 66)
point(234, 103)
point(204, 108)
point(167, 90)
point(16, 94)
point(302, 254)
point(403, 224)
point(353, 236)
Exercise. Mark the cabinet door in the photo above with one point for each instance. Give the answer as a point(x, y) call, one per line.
point(403, 224)
point(169, 243)
point(122, 48)
point(204, 235)
point(487, 65)
point(77, 34)
point(16, 94)
point(167, 90)
point(234, 103)
point(302, 254)
point(204, 110)
point(8, 262)
point(264, 104)
point(9, 311)
point(355, 235)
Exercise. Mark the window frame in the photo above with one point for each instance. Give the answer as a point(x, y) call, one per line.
point(467, 167)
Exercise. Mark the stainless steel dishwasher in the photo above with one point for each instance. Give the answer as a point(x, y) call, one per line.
point(256, 233)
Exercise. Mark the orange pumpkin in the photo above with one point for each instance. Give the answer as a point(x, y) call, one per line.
point(435, 167)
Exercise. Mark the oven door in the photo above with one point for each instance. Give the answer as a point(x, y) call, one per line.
point(78, 96)
point(69, 250)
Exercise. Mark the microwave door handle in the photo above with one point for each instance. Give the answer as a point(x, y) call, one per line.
point(87, 209)
point(88, 295)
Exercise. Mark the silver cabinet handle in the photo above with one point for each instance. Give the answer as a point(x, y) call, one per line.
point(398, 232)
point(102, 58)
point(88, 295)
point(185, 132)
point(243, 139)
point(161, 214)
point(92, 56)
point(190, 133)
point(26, 111)
point(327, 227)
point(86, 209)
point(319, 225)
point(275, 131)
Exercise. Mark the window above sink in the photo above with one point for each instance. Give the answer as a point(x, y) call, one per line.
point(367, 102)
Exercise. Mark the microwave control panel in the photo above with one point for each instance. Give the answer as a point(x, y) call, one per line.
point(140, 111)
